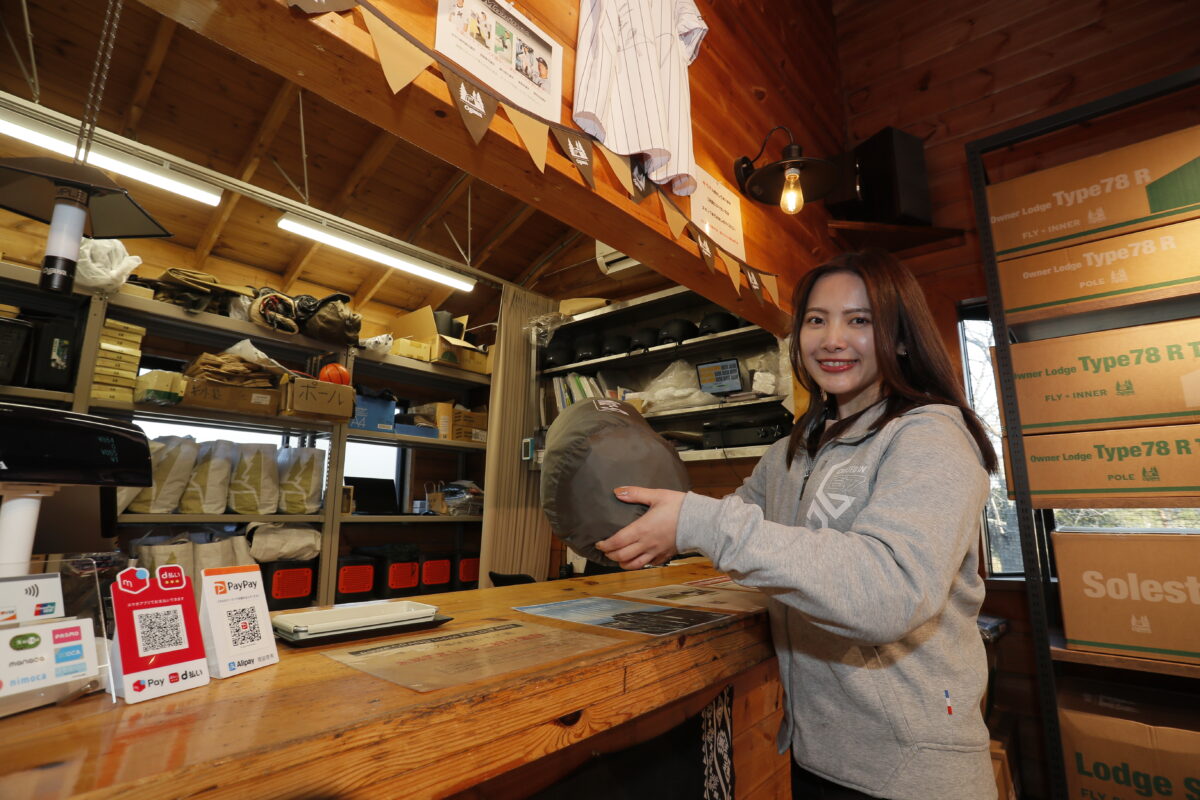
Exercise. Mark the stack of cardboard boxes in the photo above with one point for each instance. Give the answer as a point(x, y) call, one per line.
point(117, 360)
point(416, 336)
point(1112, 419)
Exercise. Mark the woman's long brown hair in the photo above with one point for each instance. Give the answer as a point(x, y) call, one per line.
point(899, 316)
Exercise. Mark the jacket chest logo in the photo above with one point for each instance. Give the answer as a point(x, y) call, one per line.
point(838, 489)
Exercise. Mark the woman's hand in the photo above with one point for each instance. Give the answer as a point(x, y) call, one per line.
point(650, 539)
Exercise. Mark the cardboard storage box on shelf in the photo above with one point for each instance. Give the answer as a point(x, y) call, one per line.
point(1122, 378)
point(1122, 743)
point(410, 348)
point(1143, 185)
point(307, 397)
point(1072, 470)
point(373, 414)
point(420, 326)
point(208, 394)
point(1134, 268)
point(1132, 594)
point(459, 425)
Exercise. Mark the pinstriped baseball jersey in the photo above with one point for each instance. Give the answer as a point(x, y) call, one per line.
point(631, 83)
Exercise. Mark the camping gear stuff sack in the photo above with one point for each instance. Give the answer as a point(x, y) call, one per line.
point(592, 448)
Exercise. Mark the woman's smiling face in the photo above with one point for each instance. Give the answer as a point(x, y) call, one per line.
point(837, 342)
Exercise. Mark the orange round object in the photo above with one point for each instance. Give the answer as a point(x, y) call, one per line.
point(334, 373)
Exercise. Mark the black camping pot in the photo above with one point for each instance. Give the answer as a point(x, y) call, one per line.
point(559, 352)
point(587, 346)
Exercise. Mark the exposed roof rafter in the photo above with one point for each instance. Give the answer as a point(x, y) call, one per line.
point(267, 129)
point(148, 76)
point(546, 259)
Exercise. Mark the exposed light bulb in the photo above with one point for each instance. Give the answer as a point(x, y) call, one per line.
point(791, 200)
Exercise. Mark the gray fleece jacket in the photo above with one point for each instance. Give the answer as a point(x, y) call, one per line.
point(868, 557)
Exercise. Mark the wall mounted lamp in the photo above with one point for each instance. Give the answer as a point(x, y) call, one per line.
point(789, 182)
point(359, 246)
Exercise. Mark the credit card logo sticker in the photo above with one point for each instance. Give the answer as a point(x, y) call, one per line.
point(44, 609)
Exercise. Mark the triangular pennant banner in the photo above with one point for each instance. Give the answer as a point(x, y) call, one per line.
point(402, 61)
point(732, 269)
point(532, 133)
point(676, 220)
point(620, 167)
point(771, 284)
point(754, 278)
point(642, 185)
point(577, 147)
point(476, 106)
point(707, 250)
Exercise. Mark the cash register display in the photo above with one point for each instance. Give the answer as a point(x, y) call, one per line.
point(719, 377)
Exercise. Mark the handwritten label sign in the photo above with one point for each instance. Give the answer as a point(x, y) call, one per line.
point(717, 211)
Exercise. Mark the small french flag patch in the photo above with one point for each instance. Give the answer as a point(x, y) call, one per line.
point(949, 708)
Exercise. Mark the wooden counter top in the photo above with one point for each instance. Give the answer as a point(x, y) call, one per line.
point(313, 727)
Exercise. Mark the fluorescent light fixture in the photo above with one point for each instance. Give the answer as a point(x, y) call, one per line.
point(382, 255)
point(39, 134)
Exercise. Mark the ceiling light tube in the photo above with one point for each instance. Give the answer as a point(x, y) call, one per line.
point(48, 137)
point(360, 247)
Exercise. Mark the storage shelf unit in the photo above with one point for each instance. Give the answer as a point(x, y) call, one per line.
point(694, 411)
point(1040, 586)
point(155, 519)
point(665, 352)
point(217, 332)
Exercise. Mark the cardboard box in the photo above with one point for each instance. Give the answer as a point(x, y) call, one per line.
point(306, 397)
point(126, 338)
point(1122, 378)
point(1070, 470)
point(1134, 268)
point(136, 290)
point(113, 380)
point(105, 358)
point(373, 414)
point(411, 348)
point(1132, 594)
point(447, 417)
point(460, 433)
point(120, 352)
point(117, 394)
point(1119, 742)
point(207, 394)
point(420, 326)
point(416, 430)
point(1143, 185)
point(125, 327)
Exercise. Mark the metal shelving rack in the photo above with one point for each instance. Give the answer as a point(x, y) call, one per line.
point(216, 331)
point(1039, 583)
point(643, 311)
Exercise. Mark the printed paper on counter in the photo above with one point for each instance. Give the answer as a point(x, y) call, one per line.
point(679, 594)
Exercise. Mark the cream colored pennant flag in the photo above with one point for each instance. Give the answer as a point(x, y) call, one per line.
point(402, 61)
point(620, 167)
point(532, 132)
point(732, 269)
point(771, 284)
point(676, 221)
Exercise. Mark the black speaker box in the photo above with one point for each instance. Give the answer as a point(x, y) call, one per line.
point(883, 180)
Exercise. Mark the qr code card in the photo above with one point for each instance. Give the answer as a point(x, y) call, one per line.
point(234, 620)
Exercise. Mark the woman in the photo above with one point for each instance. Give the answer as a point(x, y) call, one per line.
point(861, 529)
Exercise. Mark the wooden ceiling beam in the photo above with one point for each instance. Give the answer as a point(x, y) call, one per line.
point(148, 76)
point(546, 259)
point(442, 202)
point(449, 194)
point(334, 56)
point(372, 159)
point(437, 296)
point(498, 235)
point(267, 130)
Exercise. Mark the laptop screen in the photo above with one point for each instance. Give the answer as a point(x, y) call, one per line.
point(374, 495)
point(719, 377)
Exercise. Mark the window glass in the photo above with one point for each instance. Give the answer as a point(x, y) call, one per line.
point(371, 460)
point(1000, 517)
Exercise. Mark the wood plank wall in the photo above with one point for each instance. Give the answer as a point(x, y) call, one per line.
point(955, 73)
